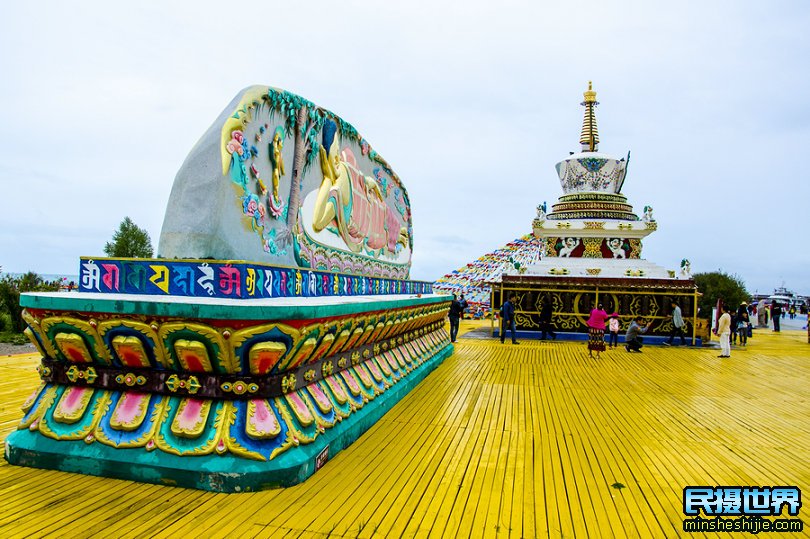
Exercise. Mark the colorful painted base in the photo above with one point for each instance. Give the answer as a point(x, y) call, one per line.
point(222, 395)
point(213, 472)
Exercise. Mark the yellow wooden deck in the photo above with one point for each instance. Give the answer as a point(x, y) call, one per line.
point(500, 441)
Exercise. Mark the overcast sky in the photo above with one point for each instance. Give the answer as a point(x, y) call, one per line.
point(472, 104)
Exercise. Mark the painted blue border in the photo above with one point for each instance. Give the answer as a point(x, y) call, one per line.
point(229, 279)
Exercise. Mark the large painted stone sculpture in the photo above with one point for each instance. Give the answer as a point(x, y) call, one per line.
point(305, 190)
point(276, 326)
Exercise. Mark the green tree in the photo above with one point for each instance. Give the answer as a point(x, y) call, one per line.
point(10, 289)
point(716, 285)
point(129, 241)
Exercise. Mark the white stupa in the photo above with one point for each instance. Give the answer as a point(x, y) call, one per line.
point(592, 231)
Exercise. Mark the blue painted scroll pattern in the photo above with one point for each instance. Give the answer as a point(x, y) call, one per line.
point(235, 280)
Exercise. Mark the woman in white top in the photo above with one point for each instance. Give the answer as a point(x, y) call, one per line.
point(724, 332)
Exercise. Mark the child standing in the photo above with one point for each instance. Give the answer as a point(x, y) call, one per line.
point(614, 326)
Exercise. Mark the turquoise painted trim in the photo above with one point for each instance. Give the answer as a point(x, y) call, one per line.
point(185, 307)
point(225, 473)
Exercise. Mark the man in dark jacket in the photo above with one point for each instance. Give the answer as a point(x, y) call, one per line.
point(455, 313)
point(545, 320)
point(776, 315)
point(508, 318)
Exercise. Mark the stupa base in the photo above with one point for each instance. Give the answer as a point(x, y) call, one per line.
point(572, 297)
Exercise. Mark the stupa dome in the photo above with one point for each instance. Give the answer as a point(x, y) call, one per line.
point(591, 172)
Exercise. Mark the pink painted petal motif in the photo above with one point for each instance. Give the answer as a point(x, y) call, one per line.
point(375, 372)
point(130, 411)
point(191, 417)
point(389, 357)
point(261, 420)
point(400, 357)
point(190, 414)
point(351, 381)
point(73, 404)
point(383, 363)
point(320, 398)
point(337, 389)
point(364, 377)
point(300, 409)
point(29, 402)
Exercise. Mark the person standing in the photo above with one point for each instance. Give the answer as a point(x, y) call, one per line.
point(677, 325)
point(455, 313)
point(614, 326)
point(776, 315)
point(734, 321)
point(596, 331)
point(508, 318)
point(632, 338)
point(724, 332)
point(742, 326)
point(545, 320)
point(464, 306)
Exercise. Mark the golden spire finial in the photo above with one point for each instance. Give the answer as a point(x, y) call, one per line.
point(590, 135)
point(590, 95)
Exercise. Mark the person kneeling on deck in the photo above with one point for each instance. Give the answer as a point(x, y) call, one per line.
point(632, 338)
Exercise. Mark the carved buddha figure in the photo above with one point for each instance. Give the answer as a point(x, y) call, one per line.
point(352, 204)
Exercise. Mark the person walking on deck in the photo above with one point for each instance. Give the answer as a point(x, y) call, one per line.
point(724, 332)
point(677, 325)
point(508, 318)
point(545, 320)
point(455, 313)
point(776, 315)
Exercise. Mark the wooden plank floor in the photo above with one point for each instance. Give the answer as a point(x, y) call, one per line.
point(500, 441)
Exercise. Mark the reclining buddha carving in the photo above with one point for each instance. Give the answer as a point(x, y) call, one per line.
point(352, 204)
